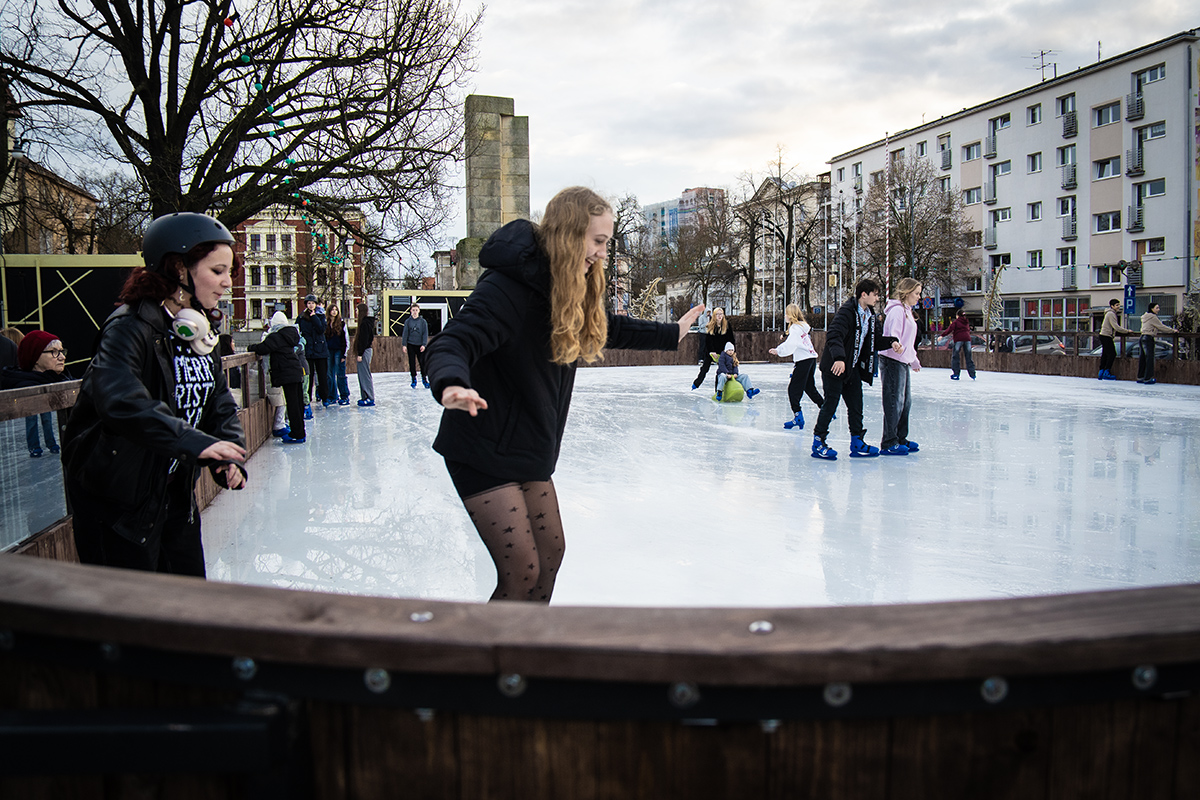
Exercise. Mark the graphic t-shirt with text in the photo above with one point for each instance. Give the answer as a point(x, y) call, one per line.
point(194, 382)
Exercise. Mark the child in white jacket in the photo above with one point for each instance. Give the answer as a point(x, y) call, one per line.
point(799, 346)
point(894, 368)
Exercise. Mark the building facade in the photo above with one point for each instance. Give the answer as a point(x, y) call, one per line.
point(286, 258)
point(1076, 187)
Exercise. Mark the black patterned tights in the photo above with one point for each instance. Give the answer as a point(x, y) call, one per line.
point(522, 529)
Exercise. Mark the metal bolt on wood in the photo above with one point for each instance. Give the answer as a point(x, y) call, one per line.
point(1145, 676)
point(684, 695)
point(421, 616)
point(110, 651)
point(769, 725)
point(377, 680)
point(838, 694)
point(761, 626)
point(424, 714)
point(994, 689)
point(244, 668)
point(512, 685)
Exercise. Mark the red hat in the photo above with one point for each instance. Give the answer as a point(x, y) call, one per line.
point(32, 346)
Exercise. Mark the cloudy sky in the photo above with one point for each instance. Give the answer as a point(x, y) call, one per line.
point(653, 96)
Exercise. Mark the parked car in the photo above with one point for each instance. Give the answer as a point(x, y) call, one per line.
point(1133, 349)
point(978, 345)
point(1046, 344)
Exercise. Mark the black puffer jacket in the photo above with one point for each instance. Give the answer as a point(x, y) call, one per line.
point(842, 336)
point(499, 345)
point(312, 328)
point(123, 433)
point(281, 347)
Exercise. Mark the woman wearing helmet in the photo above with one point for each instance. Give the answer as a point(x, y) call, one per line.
point(154, 406)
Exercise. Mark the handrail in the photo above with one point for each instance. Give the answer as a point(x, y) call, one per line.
point(1061, 634)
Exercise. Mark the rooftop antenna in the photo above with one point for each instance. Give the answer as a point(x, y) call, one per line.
point(1043, 64)
point(1098, 56)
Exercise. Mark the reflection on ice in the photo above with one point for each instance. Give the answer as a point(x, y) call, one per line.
point(1024, 485)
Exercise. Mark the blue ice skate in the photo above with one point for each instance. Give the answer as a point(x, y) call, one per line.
point(912, 446)
point(860, 449)
point(822, 450)
point(797, 422)
point(894, 450)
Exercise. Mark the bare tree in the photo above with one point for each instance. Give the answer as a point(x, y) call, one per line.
point(122, 211)
point(704, 250)
point(327, 105)
point(912, 226)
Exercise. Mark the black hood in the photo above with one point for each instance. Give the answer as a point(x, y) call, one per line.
point(514, 252)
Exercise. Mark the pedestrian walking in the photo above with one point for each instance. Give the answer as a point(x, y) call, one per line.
point(960, 335)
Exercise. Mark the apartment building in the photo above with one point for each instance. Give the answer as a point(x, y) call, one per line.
point(1075, 187)
point(286, 258)
point(664, 219)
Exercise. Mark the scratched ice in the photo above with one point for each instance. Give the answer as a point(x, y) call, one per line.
point(1024, 485)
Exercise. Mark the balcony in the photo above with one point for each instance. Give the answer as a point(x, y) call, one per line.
point(1133, 273)
point(1134, 221)
point(1133, 162)
point(1068, 176)
point(989, 146)
point(947, 159)
point(989, 238)
point(989, 192)
point(1135, 106)
point(1070, 125)
point(1069, 231)
point(1068, 276)
point(858, 184)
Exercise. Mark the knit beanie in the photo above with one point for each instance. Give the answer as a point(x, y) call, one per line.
point(31, 348)
point(278, 320)
point(729, 347)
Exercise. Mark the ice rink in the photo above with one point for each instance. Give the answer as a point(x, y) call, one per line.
point(1024, 485)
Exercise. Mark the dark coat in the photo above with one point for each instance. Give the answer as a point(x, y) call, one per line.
point(8, 352)
point(499, 345)
point(123, 432)
point(715, 343)
point(281, 347)
point(312, 328)
point(842, 335)
point(335, 341)
point(364, 337)
point(416, 332)
point(13, 378)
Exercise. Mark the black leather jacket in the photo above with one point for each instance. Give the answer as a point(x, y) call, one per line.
point(123, 432)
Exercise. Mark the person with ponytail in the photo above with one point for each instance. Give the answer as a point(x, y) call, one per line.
point(154, 407)
point(504, 367)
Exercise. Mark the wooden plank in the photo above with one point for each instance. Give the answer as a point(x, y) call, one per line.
point(1017, 636)
point(21, 403)
point(1186, 771)
point(836, 759)
point(1091, 751)
point(521, 758)
point(1155, 748)
point(390, 752)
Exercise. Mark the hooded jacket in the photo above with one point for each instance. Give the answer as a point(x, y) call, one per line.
point(499, 345)
point(124, 433)
point(899, 322)
point(280, 345)
point(842, 337)
point(1152, 325)
point(312, 328)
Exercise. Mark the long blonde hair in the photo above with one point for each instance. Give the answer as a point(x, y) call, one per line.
point(904, 288)
point(578, 324)
point(711, 327)
point(794, 315)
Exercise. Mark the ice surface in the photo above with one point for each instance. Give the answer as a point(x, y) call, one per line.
point(1024, 485)
point(31, 489)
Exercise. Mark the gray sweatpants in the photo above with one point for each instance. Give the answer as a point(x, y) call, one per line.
point(366, 386)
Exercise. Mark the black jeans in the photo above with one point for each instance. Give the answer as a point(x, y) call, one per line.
point(802, 383)
point(293, 397)
point(1146, 358)
point(176, 550)
point(1108, 353)
point(847, 387)
point(318, 367)
point(415, 356)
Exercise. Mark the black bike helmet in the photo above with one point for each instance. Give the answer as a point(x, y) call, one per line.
point(178, 233)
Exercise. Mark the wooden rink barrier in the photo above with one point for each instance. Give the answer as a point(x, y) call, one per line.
point(118, 684)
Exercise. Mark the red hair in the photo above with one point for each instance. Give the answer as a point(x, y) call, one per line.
point(155, 286)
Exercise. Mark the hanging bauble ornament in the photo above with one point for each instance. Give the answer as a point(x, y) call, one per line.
point(245, 59)
point(228, 22)
point(270, 107)
point(257, 86)
point(291, 161)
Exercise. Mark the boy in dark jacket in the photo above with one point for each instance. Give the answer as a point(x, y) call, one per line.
point(286, 372)
point(848, 359)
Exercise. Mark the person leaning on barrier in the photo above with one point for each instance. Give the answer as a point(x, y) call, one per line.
point(154, 407)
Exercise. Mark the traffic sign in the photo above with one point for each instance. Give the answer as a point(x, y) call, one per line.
point(1130, 296)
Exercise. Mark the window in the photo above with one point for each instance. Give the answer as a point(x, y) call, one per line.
point(1107, 221)
point(1066, 155)
point(944, 142)
point(1066, 206)
point(897, 157)
point(944, 185)
point(1001, 215)
point(287, 276)
point(972, 151)
point(841, 174)
point(1107, 274)
point(1033, 259)
point(1066, 256)
point(1033, 114)
point(972, 196)
point(1154, 188)
point(322, 276)
point(1034, 162)
point(255, 242)
point(270, 243)
point(1156, 131)
point(1151, 75)
point(1003, 168)
point(1057, 314)
point(285, 243)
point(974, 283)
point(974, 238)
point(1035, 212)
point(856, 169)
point(1106, 115)
point(922, 148)
point(1156, 247)
point(877, 178)
point(256, 276)
point(1107, 168)
point(256, 309)
point(271, 275)
point(1000, 123)
point(1064, 105)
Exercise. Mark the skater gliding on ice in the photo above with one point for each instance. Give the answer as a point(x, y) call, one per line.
point(895, 368)
point(799, 346)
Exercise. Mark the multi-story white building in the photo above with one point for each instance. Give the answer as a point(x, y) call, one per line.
point(664, 219)
point(1077, 186)
point(285, 258)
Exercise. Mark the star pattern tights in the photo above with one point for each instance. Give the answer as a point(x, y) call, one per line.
point(522, 529)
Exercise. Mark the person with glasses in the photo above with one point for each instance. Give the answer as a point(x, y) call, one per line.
point(41, 359)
